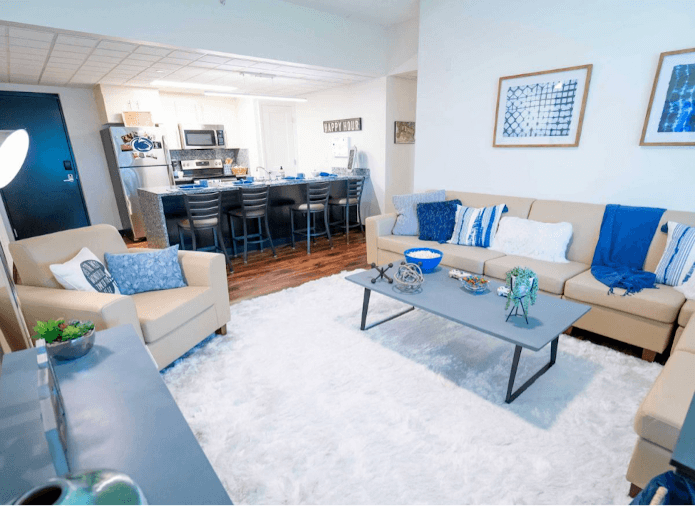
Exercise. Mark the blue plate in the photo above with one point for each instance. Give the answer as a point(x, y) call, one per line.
point(191, 186)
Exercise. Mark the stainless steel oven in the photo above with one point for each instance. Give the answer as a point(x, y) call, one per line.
point(202, 136)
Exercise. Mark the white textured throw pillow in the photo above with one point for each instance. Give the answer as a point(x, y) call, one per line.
point(687, 288)
point(533, 239)
point(85, 273)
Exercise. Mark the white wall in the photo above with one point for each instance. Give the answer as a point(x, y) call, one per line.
point(403, 46)
point(465, 47)
point(366, 100)
point(79, 109)
point(401, 95)
point(261, 28)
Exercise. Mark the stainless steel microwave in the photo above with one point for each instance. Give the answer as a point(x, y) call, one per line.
point(202, 136)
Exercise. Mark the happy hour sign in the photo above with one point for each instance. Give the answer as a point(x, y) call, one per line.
point(342, 125)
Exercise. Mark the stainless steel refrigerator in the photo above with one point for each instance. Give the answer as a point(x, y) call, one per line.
point(137, 158)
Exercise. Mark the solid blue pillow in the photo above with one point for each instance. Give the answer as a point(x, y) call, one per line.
point(146, 272)
point(436, 220)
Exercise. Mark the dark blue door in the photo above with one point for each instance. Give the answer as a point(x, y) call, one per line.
point(46, 196)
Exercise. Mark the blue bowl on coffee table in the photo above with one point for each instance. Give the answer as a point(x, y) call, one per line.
point(427, 264)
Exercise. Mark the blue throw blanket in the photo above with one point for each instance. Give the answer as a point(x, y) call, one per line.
point(626, 233)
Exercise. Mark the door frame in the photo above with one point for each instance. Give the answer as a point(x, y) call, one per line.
point(263, 130)
point(29, 94)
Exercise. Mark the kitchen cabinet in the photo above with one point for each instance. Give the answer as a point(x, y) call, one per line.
point(113, 100)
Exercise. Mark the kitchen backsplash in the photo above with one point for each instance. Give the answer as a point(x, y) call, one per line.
point(240, 156)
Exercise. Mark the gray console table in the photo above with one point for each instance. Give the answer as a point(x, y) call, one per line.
point(120, 415)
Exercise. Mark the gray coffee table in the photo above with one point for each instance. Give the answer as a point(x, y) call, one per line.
point(444, 296)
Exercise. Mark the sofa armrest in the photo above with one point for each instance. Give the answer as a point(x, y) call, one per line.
point(208, 269)
point(106, 310)
point(376, 227)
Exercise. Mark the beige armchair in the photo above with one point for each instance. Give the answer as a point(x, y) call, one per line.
point(170, 322)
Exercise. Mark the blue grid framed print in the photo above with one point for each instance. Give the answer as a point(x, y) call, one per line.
point(670, 119)
point(542, 109)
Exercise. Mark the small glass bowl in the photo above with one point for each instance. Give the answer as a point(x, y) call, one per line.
point(474, 284)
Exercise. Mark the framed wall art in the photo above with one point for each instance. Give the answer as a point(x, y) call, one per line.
point(404, 132)
point(541, 109)
point(670, 119)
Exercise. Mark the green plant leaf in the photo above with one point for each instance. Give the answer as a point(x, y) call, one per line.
point(49, 331)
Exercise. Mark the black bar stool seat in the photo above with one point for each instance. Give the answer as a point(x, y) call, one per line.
point(353, 198)
point(254, 206)
point(316, 203)
point(204, 211)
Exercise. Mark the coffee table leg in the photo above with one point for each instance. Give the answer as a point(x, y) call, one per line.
point(365, 308)
point(515, 365)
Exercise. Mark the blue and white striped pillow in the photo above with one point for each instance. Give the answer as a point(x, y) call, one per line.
point(476, 226)
point(677, 262)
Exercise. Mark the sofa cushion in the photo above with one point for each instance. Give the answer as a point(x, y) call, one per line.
point(661, 415)
point(586, 222)
point(405, 205)
point(685, 341)
point(163, 311)
point(533, 239)
point(658, 245)
point(516, 206)
point(145, 272)
point(467, 258)
point(662, 304)
point(551, 275)
point(686, 312)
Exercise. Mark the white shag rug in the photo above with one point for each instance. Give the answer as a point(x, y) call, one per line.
point(297, 405)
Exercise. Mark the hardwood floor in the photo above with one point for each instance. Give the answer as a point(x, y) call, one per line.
point(264, 274)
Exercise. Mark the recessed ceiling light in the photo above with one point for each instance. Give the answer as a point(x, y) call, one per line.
point(192, 86)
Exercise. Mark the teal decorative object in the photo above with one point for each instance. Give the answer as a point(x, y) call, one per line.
point(92, 487)
point(523, 288)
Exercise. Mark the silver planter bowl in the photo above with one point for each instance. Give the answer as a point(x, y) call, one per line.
point(70, 350)
point(102, 486)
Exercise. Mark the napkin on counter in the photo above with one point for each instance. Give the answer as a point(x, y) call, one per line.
point(327, 174)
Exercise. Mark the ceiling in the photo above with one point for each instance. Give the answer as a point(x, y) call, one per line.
point(47, 56)
point(382, 12)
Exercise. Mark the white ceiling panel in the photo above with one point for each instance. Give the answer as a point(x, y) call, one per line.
point(156, 51)
point(57, 58)
point(116, 46)
point(24, 33)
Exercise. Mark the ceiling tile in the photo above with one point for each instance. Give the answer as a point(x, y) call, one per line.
point(185, 55)
point(98, 66)
point(28, 50)
point(76, 41)
point(67, 61)
point(144, 57)
point(203, 64)
point(213, 59)
point(175, 61)
point(72, 49)
point(67, 55)
point(156, 51)
point(240, 63)
point(232, 67)
point(264, 66)
point(128, 66)
point(136, 63)
point(24, 33)
point(117, 46)
point(165, 66)
point(109, 52)
point(40, 44)
point(104, 59)
point(24, 79)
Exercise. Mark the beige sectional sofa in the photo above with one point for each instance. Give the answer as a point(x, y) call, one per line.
point(647, 319)
point(170, 322)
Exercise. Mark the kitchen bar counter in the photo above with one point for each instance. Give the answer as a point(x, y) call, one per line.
point(163, 206)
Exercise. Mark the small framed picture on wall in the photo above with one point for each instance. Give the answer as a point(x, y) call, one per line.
point(542, 109)
point(670, 119)
point(404, 132)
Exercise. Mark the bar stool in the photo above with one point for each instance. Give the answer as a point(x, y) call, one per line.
point(204, 212)
point(316, 202)
point(353, 198)
point(254, 205)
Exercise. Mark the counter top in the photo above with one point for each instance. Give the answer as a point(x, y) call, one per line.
point(166, 191)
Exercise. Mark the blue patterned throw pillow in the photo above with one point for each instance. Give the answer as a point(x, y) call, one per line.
point(436, 220)
point(406, 221)
point(476, 227)
point(146, 272)
point(678, 260)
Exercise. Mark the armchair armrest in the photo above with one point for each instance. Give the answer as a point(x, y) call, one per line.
point(376, 227)
point(208, 269)
point(106, 310)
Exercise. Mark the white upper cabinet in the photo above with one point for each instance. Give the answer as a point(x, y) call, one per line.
point(113, 100)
